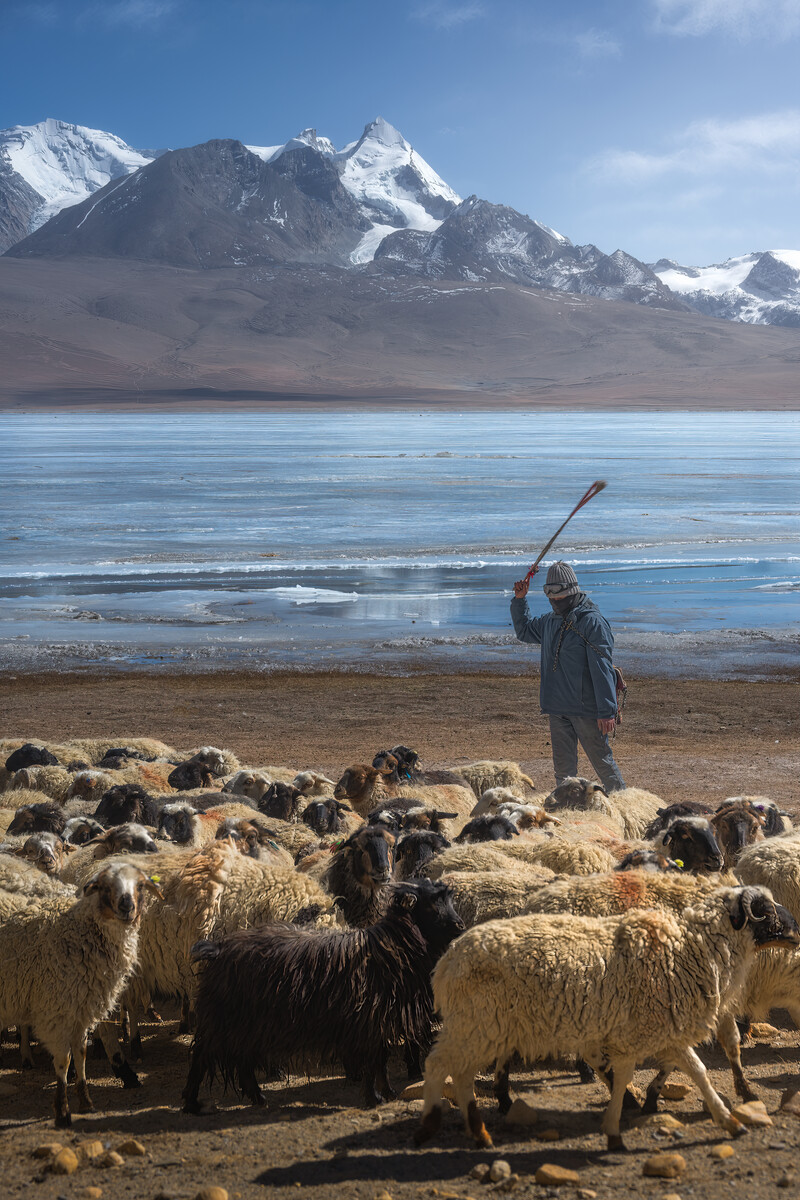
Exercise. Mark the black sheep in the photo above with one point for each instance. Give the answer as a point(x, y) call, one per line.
point(488, 829)
point(404, 767)
point(190, 775)
point(325, 816)
point(415, 850)
point(30, 756)
point(47, 817)
point(281, 801)
point(670, 812)
point(359, 875)
point(126, 803)
point(281, 995)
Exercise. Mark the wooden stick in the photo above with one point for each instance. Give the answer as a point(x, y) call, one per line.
point(590, 493)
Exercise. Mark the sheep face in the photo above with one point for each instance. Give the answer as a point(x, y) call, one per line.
point(190, 775)
point(312, 781)
point(416, 849)
point(47, 817)
point(88, 785)
point(735, 827)
point(430, 904)
point(574, 792)
point(775, 821)
point(30, 755)
point(372, 856)
point(408, 760)
point(358, 783)
point(691, 843)
point(324, 816)
point(124, 803)
point(121, 891)
point(488, 829)
point(124, 839)
point(249, 836)
point(252, 784)
point(646, 860)
point(176, 823)
point(681, 808)
point(45, 851)
point(771, 924)
point(80, 830)
point(281, 802)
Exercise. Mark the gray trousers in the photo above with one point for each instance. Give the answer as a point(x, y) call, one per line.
point(565, 733)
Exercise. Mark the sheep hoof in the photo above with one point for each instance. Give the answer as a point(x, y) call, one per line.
point(735, 1128)
point(614, 1142)
point(476, 1125)
point(63, 1120)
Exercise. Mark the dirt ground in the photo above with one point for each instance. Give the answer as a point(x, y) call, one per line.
point(680, 739)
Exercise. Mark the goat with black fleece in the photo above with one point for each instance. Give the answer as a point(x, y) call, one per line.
point(287, 995)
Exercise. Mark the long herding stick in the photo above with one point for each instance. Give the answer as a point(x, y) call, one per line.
point(596, 487)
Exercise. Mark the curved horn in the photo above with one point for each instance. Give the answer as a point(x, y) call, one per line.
point(748, 895)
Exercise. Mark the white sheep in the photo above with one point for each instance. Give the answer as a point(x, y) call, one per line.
point(313, 784)
point(612, 990)
point(487, 774)
point(775, 863)
point(55, 782)
point(65, 964)
point(480, 896)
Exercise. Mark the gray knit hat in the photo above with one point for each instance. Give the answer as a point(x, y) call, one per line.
point(561, 582)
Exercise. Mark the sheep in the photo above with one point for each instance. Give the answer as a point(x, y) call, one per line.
point(256, 840)
point(492, 798)
point(635, 807)
point(330, 816)
point(480, 896)
point(124, 803)
point(22, 884)
point(55, 781)
point(527, 816)
point(80, 830)
point(124, 839)
point(47, 817)
point(690, 841)
point(219, 762)
point(775, 821)
point(406, 813)
point(365, 787)
point(486, 774)
point(94, 750)
point(45, 851)
point(358, 875)
point(615, 892)
point(504, 856)
point(403, 766)
point(269, 997)
point(736, 825)
point(313, 784)
point(252, 784)
point(281, 800)
point(488, 829)
point(614, 990)
point(68, 961)
point(646, 860)
point(91, 785)
point(775, 863)
point(189, 775)
point(666, 815)
point(30, 755)
point(566, 858)
point(414, 850)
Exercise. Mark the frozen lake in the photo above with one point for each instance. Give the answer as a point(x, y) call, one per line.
point(347, 538)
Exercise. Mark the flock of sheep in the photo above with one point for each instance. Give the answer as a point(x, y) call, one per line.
point(459, 917)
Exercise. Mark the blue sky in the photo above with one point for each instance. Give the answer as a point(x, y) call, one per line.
point(665, 127)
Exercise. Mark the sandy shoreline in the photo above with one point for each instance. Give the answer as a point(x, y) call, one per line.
point(680, 738)
point(570, 400)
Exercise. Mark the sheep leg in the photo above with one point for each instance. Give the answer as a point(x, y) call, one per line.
point(197, 1073)
point(249, 1086)
point(586, 1073)
point(186, 1022)
point(413, 1060)
point(108, 1040)
point(25, 1047)
point(382, 1087)
point(621, 1075)
point(79, 1059)
point(435, 1075)
point(655, 1087)
point(136, 1036)
point(500, 1088)
point(629, 1101)
point(61, 1066)
point(464, 1088)
point(728, 1037)
point(688, 1061)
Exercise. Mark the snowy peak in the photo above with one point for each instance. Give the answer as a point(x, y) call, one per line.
point(760, 289)
point(65, 163)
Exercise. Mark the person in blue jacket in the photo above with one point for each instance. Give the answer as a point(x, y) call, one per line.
point(578, 688)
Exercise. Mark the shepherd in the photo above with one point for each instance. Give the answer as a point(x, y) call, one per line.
point(578, 690)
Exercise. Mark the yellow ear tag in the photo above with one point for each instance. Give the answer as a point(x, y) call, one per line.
point(156, 878)
point(678, 862)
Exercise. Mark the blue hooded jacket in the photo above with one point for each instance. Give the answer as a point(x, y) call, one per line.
point(583, 683)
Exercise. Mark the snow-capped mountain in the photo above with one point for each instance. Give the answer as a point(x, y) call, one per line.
point(759, 289)
point(48, 166)
point(483, 242)
point(394, 187)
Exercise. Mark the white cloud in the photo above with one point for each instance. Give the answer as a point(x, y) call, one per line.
point(769, 143)
point(448, 14)
point(594, 43)
point(743, 19)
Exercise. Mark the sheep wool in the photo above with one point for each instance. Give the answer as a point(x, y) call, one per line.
point(488, 773)
point(775, 864)
point(480, 896)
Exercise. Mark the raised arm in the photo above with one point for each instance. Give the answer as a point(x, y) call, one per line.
point(526, 627)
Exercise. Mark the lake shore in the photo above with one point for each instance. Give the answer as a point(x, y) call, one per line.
point(683, 739)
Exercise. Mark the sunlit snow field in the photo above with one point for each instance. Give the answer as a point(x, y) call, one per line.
point(339, 539)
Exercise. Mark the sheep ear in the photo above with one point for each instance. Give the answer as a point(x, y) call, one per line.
point(91, 887)
point(153, 887)
point(735, 908)
point(69, 848)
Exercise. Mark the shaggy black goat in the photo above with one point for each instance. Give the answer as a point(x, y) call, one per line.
point(279, 995)
point(46, 817)
point(30, 756)
point(416, 849)
point(670, 812)
point(488, 828)
point(281, 801)
point(359, 875)
point(124, 803)
point(190, 775)
point(325, 816)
